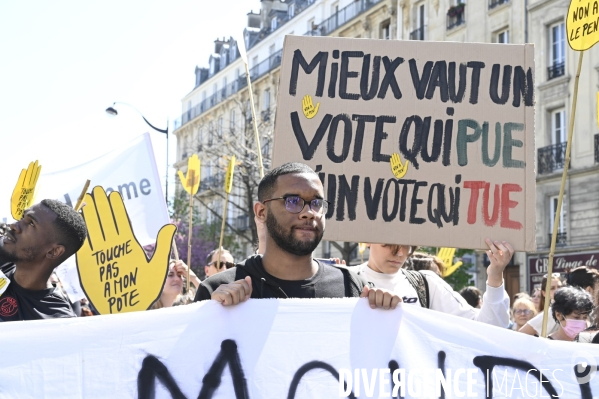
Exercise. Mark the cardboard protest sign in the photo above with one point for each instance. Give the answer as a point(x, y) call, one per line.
point(24, 192)
point(296, 349)
point(582, 24)
point(113, 268)
point(415, 142)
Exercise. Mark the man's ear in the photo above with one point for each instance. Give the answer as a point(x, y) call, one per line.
point(206, 270)
point(56, 252)
point(260, 211)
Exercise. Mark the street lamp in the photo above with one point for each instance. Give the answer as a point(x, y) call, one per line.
point(112, 111)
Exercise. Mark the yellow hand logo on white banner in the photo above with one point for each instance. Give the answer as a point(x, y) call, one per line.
point(113, 268)
point(191, 181)
point(446, 255)
point(24, 192)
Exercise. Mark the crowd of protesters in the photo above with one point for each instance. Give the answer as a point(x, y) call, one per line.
point(289, 214)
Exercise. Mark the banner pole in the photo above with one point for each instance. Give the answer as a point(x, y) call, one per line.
point(254, 122)
point(222, 229)
point(190, 232)
point(82, 195)
point(559, 201)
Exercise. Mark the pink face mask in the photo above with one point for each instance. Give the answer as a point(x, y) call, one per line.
point(573, 327)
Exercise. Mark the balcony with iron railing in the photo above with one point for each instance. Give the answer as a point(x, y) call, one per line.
point(342, 17)
point(597, 148)
point(256, 72)
point(496, 3)
point(417, 34)
point(551, 158)
point(561, 239)
point(456, 16)
point(213, 182)
point(242, 222)
point(556, 70)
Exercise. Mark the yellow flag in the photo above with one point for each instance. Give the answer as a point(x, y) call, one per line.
point(229, 177)
point(581, 24)
point(191, 181)
point(361, 247)
point(446, 255)
point(24, 192)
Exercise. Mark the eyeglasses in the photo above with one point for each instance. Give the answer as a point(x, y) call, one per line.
point(553, 275)
point(222, 264)
point(296, 204)
point(525, 312)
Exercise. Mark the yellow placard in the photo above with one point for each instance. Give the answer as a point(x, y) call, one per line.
point(113, 268)
point(191, 181)
point(229, 177)
point(582, 24)
point(597, 106)
point(361, 247)
point(446, 255)
point(24, 192)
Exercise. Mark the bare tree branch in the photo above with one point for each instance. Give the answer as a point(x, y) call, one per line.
point(238, 232)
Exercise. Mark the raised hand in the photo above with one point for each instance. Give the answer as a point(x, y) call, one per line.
point(308, 107)
point(446, 255)
point(24, 191)
point(191, 181)
point(113, 268)
point(499, 253)
point(399, 170)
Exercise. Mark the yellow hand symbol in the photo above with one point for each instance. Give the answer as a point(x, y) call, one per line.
point(397, 168)
point(22, 195)
point(113, 268)
point(308, 107)
point(446, 255)
point(191, 181)
point(2, 283)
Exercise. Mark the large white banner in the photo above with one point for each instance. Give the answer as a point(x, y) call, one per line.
point(287, 349)
point(130, 170)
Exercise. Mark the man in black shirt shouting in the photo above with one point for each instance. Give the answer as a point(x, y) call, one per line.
point(48, 234)
point(292, 206)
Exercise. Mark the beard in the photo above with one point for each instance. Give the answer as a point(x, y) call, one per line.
point(287, 242)
point(5, 256)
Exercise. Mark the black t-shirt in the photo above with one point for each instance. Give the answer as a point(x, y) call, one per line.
point(328, 282)
point(18, 303)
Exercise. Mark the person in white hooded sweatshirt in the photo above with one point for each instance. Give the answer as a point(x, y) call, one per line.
point(425, 288)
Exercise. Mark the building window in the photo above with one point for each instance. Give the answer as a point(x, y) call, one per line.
point(557, 50)
point(418, 33)
point(553, 157)
point(558, 126)
point(311, 25)
point(561, 230)
point(201, 136)
point(210, 133)
point(220, 128)
point(503, 37)
point(232, 120)
point(273, 24)
point(266, 103)
point(456, 15)
point(291, 10)
point(386, 30)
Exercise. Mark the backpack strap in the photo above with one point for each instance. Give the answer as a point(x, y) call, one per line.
point(417, 280)
point(352, 284)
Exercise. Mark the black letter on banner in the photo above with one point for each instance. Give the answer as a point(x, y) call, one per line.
point(331, 195)
point(334, 73)
point(387, 217)
point(347, 135)
point(585, 387)
point(389, 79)
point(459, 96)
point(345, 74)
point(416, 144)
point(438, 79)
point(372, 201)
point(362, 119)
point(420, 83)
point(475, 80)
point(368, 94)
point(523, 87)
point(464, 138)
point(349, 195)
point(298, 59)
point(379, 136)
point(308, 150)
point(487, 363)
point(151, 369)
point(415, 202)
point(437, 141)
point(404, 195)
point(441, 366)
point(505, 86)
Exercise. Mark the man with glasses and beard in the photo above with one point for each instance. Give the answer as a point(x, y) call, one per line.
point(292, 206)
point(47, 234)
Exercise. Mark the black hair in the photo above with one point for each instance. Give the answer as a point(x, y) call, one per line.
point(472, 295)
point(269, 181)
point(69, 226)
point(570, 299)
point(209, 256)
point(582, 277)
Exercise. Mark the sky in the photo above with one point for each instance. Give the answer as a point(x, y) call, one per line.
point(64, 62)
